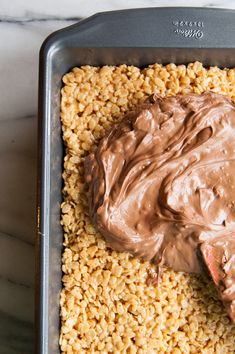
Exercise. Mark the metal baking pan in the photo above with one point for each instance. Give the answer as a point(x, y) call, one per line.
point(138, 37)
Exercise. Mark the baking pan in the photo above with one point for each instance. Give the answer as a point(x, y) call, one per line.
point(138, 37)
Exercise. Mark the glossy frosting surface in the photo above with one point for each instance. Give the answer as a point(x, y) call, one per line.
point(162, 181)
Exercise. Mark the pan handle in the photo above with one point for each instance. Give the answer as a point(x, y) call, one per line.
point(176, 27)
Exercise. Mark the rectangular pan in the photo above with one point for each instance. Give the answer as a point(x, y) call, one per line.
point(138, 37)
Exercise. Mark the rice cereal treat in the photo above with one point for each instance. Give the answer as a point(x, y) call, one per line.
point(106, 304)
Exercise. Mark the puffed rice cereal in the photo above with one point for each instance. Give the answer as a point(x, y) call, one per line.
point(106, 305)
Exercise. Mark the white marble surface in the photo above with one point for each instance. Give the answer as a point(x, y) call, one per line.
point(24, 24)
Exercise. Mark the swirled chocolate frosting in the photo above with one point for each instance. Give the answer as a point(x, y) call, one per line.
point(163, 180)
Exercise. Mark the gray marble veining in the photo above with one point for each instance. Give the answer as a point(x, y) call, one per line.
point(83, 8)
point(20, 41)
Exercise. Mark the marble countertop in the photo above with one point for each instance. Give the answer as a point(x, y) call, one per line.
point(23, 26)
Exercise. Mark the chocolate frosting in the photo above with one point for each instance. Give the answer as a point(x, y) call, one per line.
point(162, 181)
